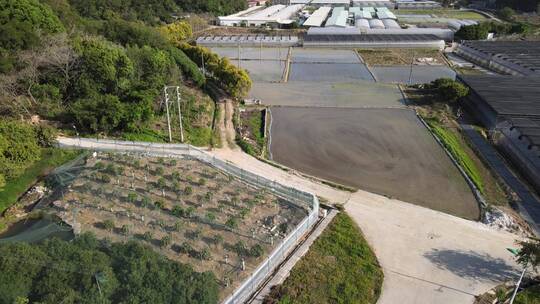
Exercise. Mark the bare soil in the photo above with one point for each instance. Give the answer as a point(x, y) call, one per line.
point(386, 151)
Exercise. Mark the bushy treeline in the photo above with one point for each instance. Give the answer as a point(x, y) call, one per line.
point(99, 65)
point(20, 146)
point(520, 5)
point(90, 271)
point(235, 81)
point(481, 30)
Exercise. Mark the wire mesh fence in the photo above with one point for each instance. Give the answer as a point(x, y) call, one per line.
point(300, 198)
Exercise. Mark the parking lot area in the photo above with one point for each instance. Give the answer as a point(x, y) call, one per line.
point(385, 151)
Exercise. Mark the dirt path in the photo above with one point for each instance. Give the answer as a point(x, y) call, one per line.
point(225, 124)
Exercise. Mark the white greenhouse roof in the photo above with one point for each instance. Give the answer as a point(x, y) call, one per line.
point(318, 17)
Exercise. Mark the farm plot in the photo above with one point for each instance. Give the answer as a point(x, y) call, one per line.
point(385, 151)
point(182, 208)
point(329, 72)
point(301, 55)
point(252, 53)
point(263, 70)
point(418, 74)
point(325, 94)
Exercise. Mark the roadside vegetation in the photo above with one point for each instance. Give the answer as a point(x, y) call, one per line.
point(438, 104)
point(251, 133)
point(452, 143)
point(442, 13)
point(395, 56)
point(17, 186)
point(87, 270)
point(340, 267)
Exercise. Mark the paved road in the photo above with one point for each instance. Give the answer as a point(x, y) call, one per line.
point(529, 205)
point(427, 256)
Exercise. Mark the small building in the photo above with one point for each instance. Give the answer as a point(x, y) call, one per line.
point(361, 40)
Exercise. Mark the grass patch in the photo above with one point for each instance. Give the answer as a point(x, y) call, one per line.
point(50, 158)
point(398, 56)
point(442, 13)
point(147, 135)
point(452, 143)
point(530, 295)
point(251, 132)
point(340, 267)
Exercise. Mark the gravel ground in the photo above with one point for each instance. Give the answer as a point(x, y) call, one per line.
point(420, 74)
point(326, 94)
point(385, 151)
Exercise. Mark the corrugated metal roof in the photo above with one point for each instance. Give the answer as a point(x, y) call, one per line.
point(318, 17)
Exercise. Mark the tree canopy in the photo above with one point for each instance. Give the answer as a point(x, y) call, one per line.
point(57, 271)
point(448, 90)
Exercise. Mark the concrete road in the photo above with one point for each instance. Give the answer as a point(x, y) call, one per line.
point(431, 257)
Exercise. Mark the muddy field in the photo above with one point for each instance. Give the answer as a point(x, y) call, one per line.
point(385, 151)
point(419, 73)
point(301, 55)
point(184, 209)
point(262, 70)
point(252, 53)
point(325, 94)
point(329, 72)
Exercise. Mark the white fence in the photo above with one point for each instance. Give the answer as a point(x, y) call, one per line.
point(303, 199)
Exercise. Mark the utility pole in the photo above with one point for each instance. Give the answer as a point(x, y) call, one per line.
point(239, 55)
point(202, 63)
point(410, 73)
point(168, 116)
point(179, 113)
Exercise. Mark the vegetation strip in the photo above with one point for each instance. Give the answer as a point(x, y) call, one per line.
point(339, 268)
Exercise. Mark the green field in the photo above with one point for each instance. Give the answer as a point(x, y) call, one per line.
point(452, 143)
point(442, 13)
point(340, 267)
point(50, 158)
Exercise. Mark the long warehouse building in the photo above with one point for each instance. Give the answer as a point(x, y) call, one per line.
point(509, 107)
point(318, 17)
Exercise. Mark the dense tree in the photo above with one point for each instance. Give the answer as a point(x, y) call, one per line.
point(529, 252)
point(31, 12)
point(69, 272)
point(506, 13)
point(149, 11)
point(472, 32)
point(234, 80)
point(18, 147)
point(520, 5)
point(177, 32)
point(448, 90)
point(100, 113)
point(216, 7)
